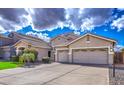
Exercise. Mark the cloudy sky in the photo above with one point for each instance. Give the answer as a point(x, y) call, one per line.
point(50, 22)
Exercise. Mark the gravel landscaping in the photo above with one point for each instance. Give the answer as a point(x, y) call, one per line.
point(119, 75)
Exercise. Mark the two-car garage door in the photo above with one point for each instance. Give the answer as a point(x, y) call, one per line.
point(90, 56)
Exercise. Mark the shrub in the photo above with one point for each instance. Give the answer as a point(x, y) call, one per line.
point(46, 60)
point(15, 58)
point(21, 59)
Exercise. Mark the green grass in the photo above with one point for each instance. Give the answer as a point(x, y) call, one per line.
point(8, 65)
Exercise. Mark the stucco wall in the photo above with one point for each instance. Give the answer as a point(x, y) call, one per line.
point(58, 41)
point(22, 44)
point(94, 42)
point(6, 53)
point(61, 47)
point(42, 53)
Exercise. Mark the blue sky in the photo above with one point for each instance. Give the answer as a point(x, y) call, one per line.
point(48, 23)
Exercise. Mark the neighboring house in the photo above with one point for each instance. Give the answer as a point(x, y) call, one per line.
point(5, 42)
point(15, 42)
point(88, 48)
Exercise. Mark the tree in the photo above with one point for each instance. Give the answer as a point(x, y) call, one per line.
point(30, 50)
point(29, 55)
point(122, 49)
point(122, 54)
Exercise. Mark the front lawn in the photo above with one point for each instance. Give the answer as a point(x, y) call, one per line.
point(8, 64)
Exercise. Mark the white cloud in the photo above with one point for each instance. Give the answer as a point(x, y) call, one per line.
point(121, 9)
point(77, 32)
point(87, 19)
point(105, 30)
point(87, 25)
point(12, 19)
point(2, 30)
point(39, 35)
point(118, 23)
point(26, 20)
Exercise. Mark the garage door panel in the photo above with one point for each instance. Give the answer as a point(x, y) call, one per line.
point(90, 56)
point(78, 57)
point(99, 57)
point(63, 56)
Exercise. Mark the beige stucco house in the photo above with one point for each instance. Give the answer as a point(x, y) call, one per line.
point(88, 48)
point(69, 48)
point(13, 44)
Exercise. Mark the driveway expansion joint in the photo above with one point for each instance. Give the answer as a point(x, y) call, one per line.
point(61, 76)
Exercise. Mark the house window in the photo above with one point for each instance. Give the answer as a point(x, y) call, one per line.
point(49, 53)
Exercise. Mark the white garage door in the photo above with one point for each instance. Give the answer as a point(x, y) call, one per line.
point(90, 56)
point(63, 56)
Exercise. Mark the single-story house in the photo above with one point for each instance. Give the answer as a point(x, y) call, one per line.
point(15, 42)
point(69, 48)
point(89, 48)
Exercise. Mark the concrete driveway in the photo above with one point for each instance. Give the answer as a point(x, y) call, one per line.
point(56, 74)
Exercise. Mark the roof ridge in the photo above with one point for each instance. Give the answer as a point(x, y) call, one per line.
point(4, 36)
point(65, 33)
point(31, 37)
point(102, 36)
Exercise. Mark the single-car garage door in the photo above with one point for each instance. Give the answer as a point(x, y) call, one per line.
point(63, 56)
point(92, 56)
